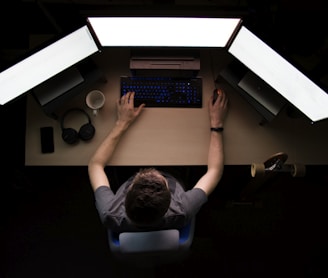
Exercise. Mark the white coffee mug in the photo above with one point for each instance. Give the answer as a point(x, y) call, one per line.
point(95, 100)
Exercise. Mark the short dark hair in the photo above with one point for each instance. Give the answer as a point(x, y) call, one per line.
point(148, 197)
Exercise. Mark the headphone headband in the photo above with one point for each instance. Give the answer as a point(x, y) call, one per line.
point(70, 111)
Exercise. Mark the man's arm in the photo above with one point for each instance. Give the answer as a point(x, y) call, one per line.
point(126, 115)
point(215, 162)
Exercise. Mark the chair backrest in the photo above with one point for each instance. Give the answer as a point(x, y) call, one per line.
point(152, 247)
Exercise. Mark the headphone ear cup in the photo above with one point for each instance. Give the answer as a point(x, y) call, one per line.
point(87, 131)
point(70, 135)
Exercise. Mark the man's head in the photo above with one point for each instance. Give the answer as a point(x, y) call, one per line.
point(148, 197)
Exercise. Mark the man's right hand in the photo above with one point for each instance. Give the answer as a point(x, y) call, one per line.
point(126, 112)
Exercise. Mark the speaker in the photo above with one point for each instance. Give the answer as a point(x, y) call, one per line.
point(85, 133)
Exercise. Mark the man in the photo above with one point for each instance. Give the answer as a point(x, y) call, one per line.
point(152, 199)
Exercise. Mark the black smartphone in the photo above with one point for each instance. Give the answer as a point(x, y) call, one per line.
point(47, 139)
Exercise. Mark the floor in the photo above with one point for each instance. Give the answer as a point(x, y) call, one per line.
point(50, 227)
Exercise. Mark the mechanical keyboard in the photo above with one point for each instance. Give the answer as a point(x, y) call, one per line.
point(164, 91)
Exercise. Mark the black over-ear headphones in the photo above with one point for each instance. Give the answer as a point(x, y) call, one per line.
point(85, 133)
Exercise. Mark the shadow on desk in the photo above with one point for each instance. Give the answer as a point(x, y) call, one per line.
point(51, 228)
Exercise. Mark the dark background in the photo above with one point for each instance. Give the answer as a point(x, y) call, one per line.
point(50, 227)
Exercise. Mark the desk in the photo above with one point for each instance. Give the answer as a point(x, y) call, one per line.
point(175, 136)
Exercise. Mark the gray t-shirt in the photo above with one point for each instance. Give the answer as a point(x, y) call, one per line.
point(183, 207)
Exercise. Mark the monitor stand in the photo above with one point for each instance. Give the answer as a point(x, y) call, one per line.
point(52, 93)
point(266, 101)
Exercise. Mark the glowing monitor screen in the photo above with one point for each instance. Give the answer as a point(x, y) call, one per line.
point(286, 79)
point(163, 31)
point(46, 63)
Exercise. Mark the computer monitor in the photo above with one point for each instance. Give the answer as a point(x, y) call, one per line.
point(46, 63)
point(280, 74)
point(163, 31)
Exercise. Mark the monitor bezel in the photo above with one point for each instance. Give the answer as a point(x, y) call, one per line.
point(41, 47)
point(294, 64)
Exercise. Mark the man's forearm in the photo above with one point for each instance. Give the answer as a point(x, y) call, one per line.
point(102, 155)
point(107, 147)
point(215, 152)
point(210, 180)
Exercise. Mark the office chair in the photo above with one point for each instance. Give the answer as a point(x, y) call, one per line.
point(152, 248)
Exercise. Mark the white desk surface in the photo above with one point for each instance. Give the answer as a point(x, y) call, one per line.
point(176, 136)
